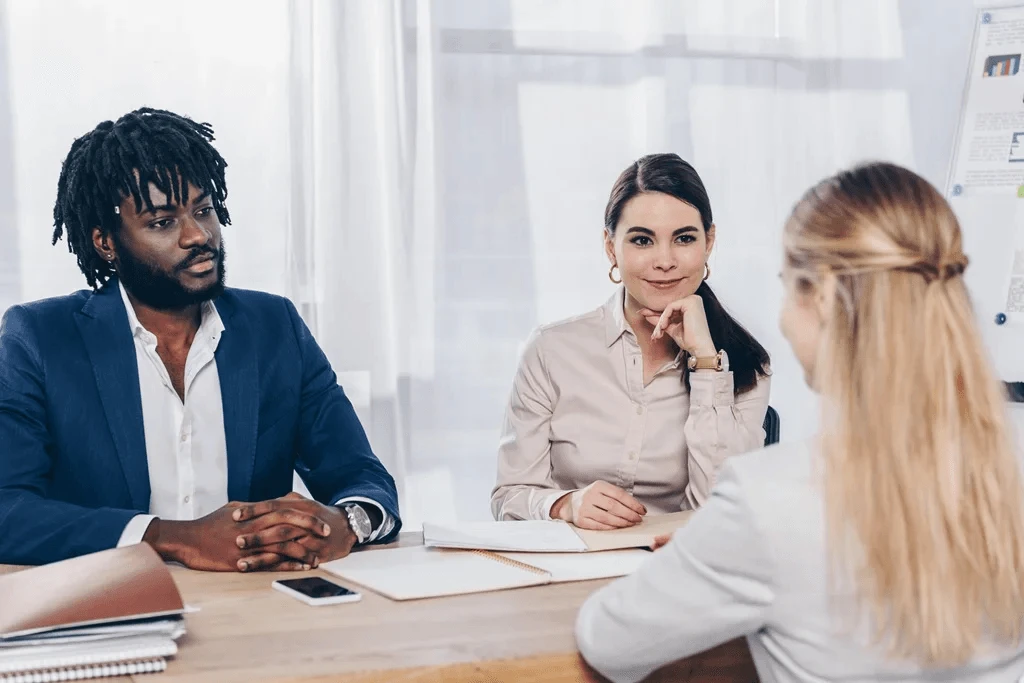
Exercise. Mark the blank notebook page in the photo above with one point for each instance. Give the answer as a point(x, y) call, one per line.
point(420, 572)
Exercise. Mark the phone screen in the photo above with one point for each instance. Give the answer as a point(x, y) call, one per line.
point(315, 587)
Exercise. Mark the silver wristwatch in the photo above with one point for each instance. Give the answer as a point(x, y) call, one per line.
point(359, 521)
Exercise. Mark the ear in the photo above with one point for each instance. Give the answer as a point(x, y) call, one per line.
point(609, 247)
point(825, 296)
point(709, 237)
point(104, 245)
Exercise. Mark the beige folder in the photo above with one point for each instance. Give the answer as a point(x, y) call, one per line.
point(123, 584)
point(640, 536)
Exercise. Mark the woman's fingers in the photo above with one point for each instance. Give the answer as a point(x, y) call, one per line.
point(587, 522)
point(672, 314)
point(604, 517)
point(621, 496)
point(605, 506)
point(617, 509)
point(661, 541)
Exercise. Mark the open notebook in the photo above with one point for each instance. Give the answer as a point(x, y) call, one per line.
point(112, 613)
point(548, 537)
point(420, 572)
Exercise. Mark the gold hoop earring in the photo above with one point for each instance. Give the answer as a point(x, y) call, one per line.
point(612, 277)
point(707, 270)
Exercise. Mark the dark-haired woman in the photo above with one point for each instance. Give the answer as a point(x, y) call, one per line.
point(632, 408)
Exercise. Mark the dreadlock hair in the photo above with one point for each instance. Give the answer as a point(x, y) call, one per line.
point(118, 160)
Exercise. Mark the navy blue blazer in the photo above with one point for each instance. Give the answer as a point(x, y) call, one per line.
point(73, 467)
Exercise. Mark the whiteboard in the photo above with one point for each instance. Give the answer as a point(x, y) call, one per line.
point(986, 182)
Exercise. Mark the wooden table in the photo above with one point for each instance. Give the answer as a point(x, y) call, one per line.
point(245, 631)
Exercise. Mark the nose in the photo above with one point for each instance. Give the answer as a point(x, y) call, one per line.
point(193, 234)
point(664, 259)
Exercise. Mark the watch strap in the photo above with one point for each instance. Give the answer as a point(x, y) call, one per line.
point(705, 362)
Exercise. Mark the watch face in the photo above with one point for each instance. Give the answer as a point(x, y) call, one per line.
point(359, 520)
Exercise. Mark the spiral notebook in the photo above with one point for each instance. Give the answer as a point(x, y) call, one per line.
point(417, 572)
point(98, 656)
point(112, 613)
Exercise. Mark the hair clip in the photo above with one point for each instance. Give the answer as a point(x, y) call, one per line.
point(953, 268)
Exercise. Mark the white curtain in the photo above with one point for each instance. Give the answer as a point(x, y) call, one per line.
point(364, 205)
point(426, 179)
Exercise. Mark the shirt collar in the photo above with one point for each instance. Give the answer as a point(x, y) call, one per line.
point(210, 324)
point(615, 324)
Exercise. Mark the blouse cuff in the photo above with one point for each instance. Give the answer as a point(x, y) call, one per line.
point(548, 501)
point(710, 388)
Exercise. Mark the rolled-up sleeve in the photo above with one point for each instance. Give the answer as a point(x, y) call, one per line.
point(525, 488)
point(720, 424)
point(712, 583)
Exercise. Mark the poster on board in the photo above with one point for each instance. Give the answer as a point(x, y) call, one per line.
point(989, 155)
point(986, 181)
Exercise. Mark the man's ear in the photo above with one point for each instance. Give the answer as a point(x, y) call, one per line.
point(104, 245)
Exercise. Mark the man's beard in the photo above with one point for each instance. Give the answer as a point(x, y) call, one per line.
point(162, 291)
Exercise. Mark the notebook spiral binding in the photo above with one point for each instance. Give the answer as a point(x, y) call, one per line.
point(507, 562)
point(82, 672)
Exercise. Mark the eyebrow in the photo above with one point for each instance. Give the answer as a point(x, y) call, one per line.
point(155, 209)
point(647, 231)
point(171, 207)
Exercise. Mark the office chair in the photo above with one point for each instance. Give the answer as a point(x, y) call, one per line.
point(771, 427)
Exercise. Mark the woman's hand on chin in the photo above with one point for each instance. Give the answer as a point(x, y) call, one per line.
point(687, 325)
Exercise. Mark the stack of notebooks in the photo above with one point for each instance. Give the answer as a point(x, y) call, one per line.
point(486, 556)
point(113, 613)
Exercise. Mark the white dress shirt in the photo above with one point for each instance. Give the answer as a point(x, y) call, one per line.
point(186, 449)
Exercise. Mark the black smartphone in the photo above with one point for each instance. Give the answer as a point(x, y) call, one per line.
point(316, 591)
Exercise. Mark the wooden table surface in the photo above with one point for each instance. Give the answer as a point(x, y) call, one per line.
point(246, 631)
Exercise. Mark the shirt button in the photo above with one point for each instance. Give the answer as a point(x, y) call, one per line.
point(187, 499)
point(632, 455)
point(639, 410)
point(184, 437)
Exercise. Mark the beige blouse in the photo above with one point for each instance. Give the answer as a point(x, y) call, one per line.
point(579, 412)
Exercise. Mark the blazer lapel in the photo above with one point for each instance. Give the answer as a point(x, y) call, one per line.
point(238, 371)
point(103, 324)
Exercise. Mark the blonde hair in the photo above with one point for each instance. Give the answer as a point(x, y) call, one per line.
point(922, 483)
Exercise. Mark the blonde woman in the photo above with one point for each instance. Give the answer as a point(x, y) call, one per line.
point(606, 421)
point(890, 549)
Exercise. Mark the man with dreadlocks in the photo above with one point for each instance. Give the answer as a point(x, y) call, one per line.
point(134, 412)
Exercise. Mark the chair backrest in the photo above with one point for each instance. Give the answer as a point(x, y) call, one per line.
point(771, 427)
